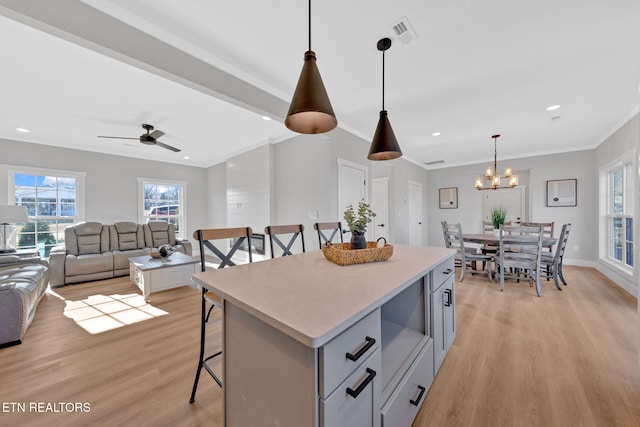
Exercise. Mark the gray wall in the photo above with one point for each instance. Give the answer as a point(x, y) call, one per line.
point(305, 178)
point(583, 217)
point(111, 186)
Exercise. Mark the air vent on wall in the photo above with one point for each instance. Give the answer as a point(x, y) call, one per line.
point(434, 162)
point(404, 31)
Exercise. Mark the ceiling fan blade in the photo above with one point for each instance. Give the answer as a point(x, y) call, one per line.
point(156, 134)
point(168, 147)
point(116, 137)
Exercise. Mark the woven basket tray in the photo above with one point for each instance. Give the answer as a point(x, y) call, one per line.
point(341, 254)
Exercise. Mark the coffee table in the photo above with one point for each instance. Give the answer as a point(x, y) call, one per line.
point(157, 274)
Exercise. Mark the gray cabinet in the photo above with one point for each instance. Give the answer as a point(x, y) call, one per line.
point(443, 311)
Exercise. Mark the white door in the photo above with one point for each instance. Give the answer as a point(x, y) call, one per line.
point(380, 205)
point(352, 181)
point(511, 199)
point(415, 213)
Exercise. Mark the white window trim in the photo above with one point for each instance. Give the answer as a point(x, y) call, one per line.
point(604, 201)
point(80, 184)
point(183, 199)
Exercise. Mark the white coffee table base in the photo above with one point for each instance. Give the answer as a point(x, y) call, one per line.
point(152, 275)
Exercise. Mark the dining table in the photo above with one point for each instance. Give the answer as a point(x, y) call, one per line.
point(493, 240)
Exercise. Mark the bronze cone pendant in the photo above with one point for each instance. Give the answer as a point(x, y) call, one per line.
point(310, 111)
point(384, 145)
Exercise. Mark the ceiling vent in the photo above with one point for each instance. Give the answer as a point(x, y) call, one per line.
point(434, 162)
point(403, 30)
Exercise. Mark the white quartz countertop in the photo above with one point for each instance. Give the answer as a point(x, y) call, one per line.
point(312, 299)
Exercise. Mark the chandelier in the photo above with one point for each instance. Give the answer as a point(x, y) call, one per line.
point(491, 174)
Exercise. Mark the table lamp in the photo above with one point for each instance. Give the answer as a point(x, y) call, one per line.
point(9, 216)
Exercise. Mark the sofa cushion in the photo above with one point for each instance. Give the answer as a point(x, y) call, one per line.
point(126, 236)
point(86, 238)
point(88, 264)
point(158, 233)
point(23, 272)
point(121, 259)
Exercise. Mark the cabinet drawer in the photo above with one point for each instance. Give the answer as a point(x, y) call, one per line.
point(359, 341)
point(360, 406)
point(442, 272)
point(403, 405)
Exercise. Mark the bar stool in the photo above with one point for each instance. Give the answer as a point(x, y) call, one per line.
point(206, 240)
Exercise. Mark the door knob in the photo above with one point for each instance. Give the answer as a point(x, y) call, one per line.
point(380, 225)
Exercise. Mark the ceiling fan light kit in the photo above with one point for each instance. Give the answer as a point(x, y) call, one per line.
point(384, 145)
point(310, 111)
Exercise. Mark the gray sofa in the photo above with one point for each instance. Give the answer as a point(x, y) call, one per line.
point(95, 251)
point(23, 282)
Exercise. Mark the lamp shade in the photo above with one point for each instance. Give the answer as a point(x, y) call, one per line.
point(384, 145)
point(310, 111)
point(11, 214)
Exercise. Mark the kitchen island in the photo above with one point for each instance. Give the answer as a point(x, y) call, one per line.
point(309, 343)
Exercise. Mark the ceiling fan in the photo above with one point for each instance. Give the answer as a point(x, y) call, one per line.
point(149, 138)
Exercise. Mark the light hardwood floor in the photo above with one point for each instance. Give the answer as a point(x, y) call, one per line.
point(569, 358)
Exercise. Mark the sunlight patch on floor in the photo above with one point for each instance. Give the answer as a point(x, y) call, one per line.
point(101, 313)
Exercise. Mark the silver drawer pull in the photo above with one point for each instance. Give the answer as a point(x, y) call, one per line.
point(447, 271)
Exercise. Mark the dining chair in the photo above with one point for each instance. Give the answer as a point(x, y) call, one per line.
point(547, 231)
point(520, 250)
point(552, 264)
point(215, 240)
point(488, 228)
point(334, 227)
point(293, 231)
point(465, 257)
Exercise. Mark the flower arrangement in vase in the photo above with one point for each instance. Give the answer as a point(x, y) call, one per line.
point(357, 222)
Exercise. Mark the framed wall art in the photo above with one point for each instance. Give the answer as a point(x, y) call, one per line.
point(449, 198)
point(562, 192)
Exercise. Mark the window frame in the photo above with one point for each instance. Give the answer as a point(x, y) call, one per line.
point(182, 202)
point(609, 214)
point(80, 200)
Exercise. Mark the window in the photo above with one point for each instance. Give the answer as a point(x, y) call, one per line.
point(54, 200)
point(163, 201)
point(618, 182)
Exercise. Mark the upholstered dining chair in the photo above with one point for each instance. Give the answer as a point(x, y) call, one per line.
point(552, 263)
point(520, 250)
point(293, 231)
point(334, 227)
point(466, 257)
point(213, 242)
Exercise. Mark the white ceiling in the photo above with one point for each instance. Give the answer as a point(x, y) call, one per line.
point(205, 72)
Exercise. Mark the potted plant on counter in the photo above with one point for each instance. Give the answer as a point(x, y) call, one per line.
point(498, 216)
point(357, 223)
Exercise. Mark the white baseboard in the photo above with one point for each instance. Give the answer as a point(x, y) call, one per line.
point(579, 262)
point(625, 281)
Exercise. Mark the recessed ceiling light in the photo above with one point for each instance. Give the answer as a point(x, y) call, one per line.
point(436, 134)
point(553, 107)
point(23, 130)
point(186, 157)
point(266, 118)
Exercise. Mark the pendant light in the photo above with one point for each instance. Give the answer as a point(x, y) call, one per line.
point(310, 110)
point(384, 145)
